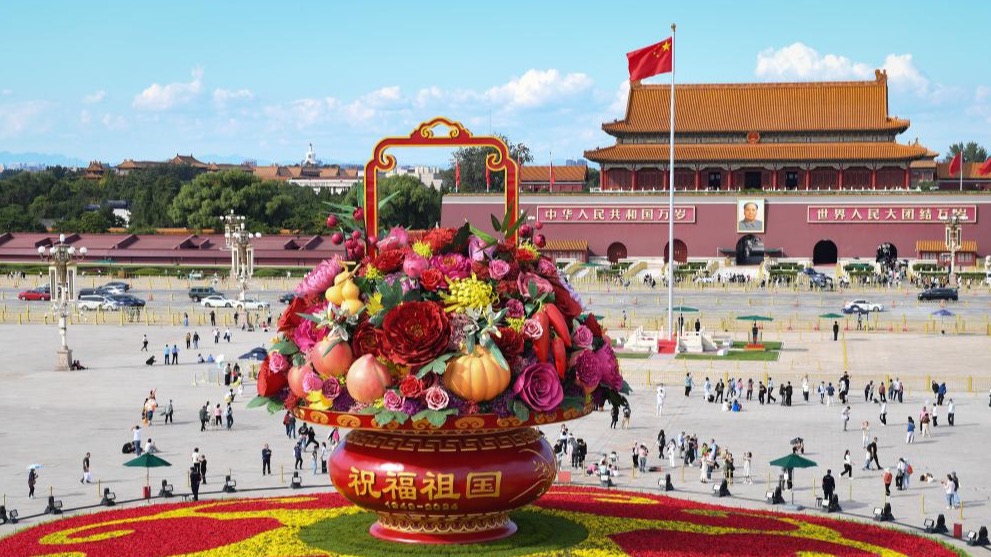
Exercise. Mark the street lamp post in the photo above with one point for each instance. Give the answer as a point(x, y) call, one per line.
point(62, 259)
point(238, 240)
point(954, 238)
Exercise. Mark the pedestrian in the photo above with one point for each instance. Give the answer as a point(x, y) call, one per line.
point(87, 477)
point(194, 482)
point(886, 478)
point(847, 465)
point(884, 412)
point(266, 460)
point(313, 459)
point(688, 384)
point(750, 388)
point(828, 486)
point(237, 316)
point(872, 448)
point(836, 331)
point(770, 391)
point(627, 413)
point(698, 325)
point(900, 469)
point(948, 486)
point(203, 468)
point(910, 431)
point(216, 335)
point(846, 417)
point(865, 429)
point(213, 318)
point(32, 480)
point(805, 388)
point(950, 409)
point(297, 452)
point(956, 488)
point(229, 414)
point(761, 393)
point(175, 355)
point(204, 416)
point(935, 416)
point(169, 410)
point(924, 422)
point(324, 455)
point(218, 415)
point(144, 343)
point(196, 340)
point(748, 467)
point(830, 391)
point(167, 353)
point(227, 334)
point(189, 341)
point(614, 414)
point(660, 398)
point(136, 440)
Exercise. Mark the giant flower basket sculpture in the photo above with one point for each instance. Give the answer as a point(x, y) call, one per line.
point(440, 350)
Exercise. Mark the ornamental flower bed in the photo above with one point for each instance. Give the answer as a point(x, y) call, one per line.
point(566, 521)
point(438, 324)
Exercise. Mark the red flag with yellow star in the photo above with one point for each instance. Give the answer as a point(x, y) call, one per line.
point(651, 60)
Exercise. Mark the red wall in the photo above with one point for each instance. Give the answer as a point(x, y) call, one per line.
point(785, 223)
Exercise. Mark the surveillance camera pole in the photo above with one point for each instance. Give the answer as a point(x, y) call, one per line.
point(62, 259)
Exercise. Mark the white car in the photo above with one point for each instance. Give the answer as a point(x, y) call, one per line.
point(251, 303)
point(94, 302)
point(216, 301)
point(864, 305)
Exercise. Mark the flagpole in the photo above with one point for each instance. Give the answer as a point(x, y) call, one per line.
point(961, 170)
point(550, 172)
point(671, 199)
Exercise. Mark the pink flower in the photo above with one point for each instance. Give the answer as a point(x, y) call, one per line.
point(582, 337)
point(320, 278)
point(331, 388)
point(312, 382)
point(525, 279)
point(611, 377)
point(532, 329)
point(397, 238)
point(393, 400)
point(477, 250)
point(414, 265)
point(436, 398)
point(452, 265)
point(277, 362)
point(588, 369)
point(514, 308)
point(546, 267)
point(539, 387)
point(498, 269)
point(307, 334)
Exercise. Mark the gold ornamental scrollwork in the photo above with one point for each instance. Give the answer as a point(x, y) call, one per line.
point(344, 420)
point(469, 422)
point(511, 421)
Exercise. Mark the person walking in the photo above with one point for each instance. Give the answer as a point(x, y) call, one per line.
point(805, 388)
point(313, 459)
point(910, 431)
point(828, 486)
point(266, 460)
point(204, 416)
point(32, 480)
point(166, 354)
point(660, 398)
point(688, 384)
point(950, 490)
point(218, 415)
point(872, 449)
point(324, 455)
point(194, 482)
point(144, 343)
point(950, 410)
point(886, 478)
point(614, 415)
point(884, 413)
point(189, 340)
point(297, 452)
point(865, 429)
point(846, 417)
point(87, 477)
point(169, 411)
point(770, 391)
point(213, 318)
point(847, 465)
point(229, 415)
point(136, 440)
point(836, 331)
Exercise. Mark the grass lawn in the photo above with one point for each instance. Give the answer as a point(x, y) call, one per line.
point(633, 355)
point(738, 354)
point(769, 345)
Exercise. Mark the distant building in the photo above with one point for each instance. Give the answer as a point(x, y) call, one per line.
point(566, 179)
point(429, 175)
point(96, 170)
point(130, 165)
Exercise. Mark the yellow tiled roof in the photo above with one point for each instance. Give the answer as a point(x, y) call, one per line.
point(565, 245)
point(758, 152)
point(969, 171)
point(940, 246)
point(570, 173)
point(760, 107)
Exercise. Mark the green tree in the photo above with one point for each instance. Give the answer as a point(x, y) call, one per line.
point(13, 218)
point(472, 163)
point(591, 180)
point(415, 206)
point(972, 152)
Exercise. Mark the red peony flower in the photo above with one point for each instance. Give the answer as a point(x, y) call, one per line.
point(415, 333)
point(593, 325)
point(439, 238)
point(563, 300)
point(432, 280)
point(510, 342)
point(411, 387)
point(480, 270)
point(525, 255)
point(290, 319)
point(389, 261)
point(364, 340)
point(506, 288)
point(269, 382)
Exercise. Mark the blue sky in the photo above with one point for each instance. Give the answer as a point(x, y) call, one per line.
point(112, 80)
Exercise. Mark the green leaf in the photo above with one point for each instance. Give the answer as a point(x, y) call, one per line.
point(461, 238)
point(401, 417)
point(516, 225)
point(495, 224)
point(489, 240)
point(626, 388)
point(275, 406)
point(505, 220)
point(438, 365)
point(286, 348)
point(531, 289)
point(384, 202)
point(435, 417)
point(340, 207)
point(497, 354)
point(258, 401)
point(310, 317)
point(521, 410)
point(385, 417)
point(371, 410)
point(573, 403)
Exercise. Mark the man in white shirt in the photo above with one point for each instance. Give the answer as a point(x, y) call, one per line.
point(660, 398)
point(136, 440)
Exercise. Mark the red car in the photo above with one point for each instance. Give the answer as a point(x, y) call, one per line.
point(43, 293)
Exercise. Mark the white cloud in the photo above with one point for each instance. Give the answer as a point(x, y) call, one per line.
point(618, 106)
point(24, 117)
point(112, 122)
point(537, 87)
point(301, 113)
point(370, 106)
point(223, 96)
point(85, 117)
point(163, 97)
point(95, 97)
point(983, 93)
point(6, 92)
point(903, 73)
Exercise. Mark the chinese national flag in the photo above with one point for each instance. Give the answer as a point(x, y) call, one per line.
point(488, 178)
point(985, 168)
point(651, 60)
point(457, 175)
point(956, 163)
point(552, 177)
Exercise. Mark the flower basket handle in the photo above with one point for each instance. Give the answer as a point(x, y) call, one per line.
point(456, 136)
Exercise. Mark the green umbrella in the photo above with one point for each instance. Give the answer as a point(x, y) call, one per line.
point(754, 318)
point(831, 316)
point(792, 461)
point(147, 461)
point(684, 309)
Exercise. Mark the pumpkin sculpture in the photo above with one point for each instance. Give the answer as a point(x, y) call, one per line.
point(477, 377)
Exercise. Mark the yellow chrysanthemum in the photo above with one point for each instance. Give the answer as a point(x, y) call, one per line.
point(528, 246)
point(515, 323)
point(468, 293)
point(422, 249)
point(371, 273)
point(374, 304)
point(317, 401)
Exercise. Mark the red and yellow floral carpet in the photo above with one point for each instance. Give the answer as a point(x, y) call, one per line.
point(576, 521)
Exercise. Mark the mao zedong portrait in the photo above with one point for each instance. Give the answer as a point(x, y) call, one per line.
point(750, 222)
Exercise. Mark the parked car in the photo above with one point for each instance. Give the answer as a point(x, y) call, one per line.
point(705, 279)
point(939, 294)
point(118, 284)
point(217, 301)
point(197, 293)
point(287, 298)
point(127, 300)
point(111, 289)
point(257, 353)
point(43, 293)
point(864, 305)
point(94, 302)
point(251, 303)
point(821, 280)
point(195, 275)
